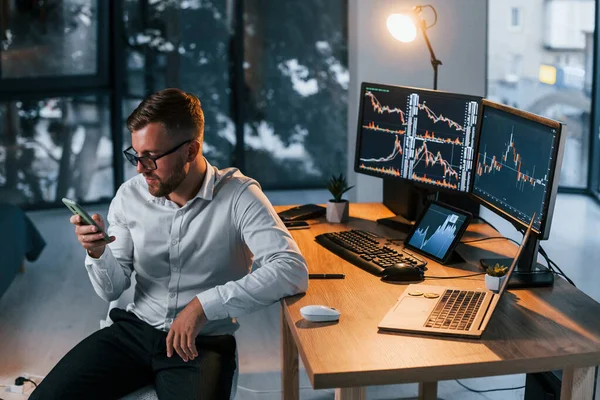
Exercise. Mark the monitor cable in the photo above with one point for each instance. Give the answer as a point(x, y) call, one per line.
point(492, 238)
point(552, 266)
point(454, 277)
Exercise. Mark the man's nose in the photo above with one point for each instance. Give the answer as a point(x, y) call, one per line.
point(140, 168)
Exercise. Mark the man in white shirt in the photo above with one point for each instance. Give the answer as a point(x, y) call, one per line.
point(191, 232)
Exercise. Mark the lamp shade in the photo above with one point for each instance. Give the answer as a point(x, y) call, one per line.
point(402, 27)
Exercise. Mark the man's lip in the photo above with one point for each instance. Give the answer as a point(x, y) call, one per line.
point(149, 180)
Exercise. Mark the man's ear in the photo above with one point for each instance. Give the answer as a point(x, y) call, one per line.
point(195, 149)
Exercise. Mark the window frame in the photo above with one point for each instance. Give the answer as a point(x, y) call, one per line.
point(15, 87)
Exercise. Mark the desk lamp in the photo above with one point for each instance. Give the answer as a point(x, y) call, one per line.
point(403, 28)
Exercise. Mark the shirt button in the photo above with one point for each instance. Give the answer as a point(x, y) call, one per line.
point(171, 295)
point(174, 241)
point(175, 269)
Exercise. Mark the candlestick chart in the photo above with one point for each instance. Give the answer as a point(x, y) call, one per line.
point(417, 135)
point(513, 165)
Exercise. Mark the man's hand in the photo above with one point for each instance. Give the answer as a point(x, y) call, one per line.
point(185, 328)
point(89, 236)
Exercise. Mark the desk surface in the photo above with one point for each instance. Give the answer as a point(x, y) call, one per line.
point(531, 330)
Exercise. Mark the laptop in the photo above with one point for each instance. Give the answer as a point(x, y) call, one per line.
point(447, 311)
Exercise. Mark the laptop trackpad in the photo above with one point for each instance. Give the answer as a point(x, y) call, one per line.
point(411, 307)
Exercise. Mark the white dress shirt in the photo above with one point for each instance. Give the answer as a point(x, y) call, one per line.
point(204, 249)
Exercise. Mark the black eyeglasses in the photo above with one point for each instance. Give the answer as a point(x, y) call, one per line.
point(148, 162)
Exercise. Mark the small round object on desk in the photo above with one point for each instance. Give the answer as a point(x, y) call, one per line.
point(431, 295)
point(415, 293)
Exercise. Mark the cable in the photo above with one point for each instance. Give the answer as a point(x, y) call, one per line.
point(490, 238)
point(488, 390)
point(454, 277)
point(21, 380)
point(552, 263)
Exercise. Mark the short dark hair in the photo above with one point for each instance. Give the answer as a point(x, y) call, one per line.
point(179, 112)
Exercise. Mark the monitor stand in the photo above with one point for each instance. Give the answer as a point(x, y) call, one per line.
point(404, 200)
point(528, 272)
point(408, 201)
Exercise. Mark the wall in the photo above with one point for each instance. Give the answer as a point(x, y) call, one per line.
point(459, 39)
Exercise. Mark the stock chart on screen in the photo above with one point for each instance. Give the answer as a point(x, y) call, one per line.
point(514, 163)
point(418, 135)
point(437, 230)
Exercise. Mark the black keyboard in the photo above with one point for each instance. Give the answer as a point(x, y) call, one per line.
point(368, 251)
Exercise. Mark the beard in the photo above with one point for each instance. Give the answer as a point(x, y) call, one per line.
point(163, 187)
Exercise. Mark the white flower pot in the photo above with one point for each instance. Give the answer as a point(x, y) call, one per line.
point(494, 283)
point(337, 211)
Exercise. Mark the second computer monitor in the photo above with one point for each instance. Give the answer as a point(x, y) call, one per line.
point(518, 165)
point(423, 136)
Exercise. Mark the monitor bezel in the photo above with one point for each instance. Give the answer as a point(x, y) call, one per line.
point(417, 184)
point(553, 179)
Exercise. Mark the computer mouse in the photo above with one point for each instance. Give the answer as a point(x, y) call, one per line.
point(318, 313)
point(402, 272)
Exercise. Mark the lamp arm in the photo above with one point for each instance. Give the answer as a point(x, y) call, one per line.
point(435, 63)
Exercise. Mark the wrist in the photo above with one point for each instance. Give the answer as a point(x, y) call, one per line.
point(96, 253)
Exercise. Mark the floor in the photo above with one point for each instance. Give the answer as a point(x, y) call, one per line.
point(51, 307)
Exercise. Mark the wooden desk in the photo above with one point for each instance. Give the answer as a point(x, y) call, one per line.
point(531, 330)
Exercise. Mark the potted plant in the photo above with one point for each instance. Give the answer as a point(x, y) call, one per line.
point(337, 208)
point(495, 277)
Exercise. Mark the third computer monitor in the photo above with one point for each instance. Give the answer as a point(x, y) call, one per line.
point(418, 135)
point(518, 162)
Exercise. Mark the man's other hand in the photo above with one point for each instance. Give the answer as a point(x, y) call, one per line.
point(89, 236)
point(185, 328)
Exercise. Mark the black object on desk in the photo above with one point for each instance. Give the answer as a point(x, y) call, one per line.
point(366, 250)
point(326, 276)
point(303, 212)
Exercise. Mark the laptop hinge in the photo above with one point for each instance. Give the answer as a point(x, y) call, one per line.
point(485, 318)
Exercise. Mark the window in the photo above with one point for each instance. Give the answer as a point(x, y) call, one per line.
point(295, 81)
point(48, 38)
point(296, 92)
point(515, 17)
point(184, 45)
point(547, 76)
point(55, 147)
point(70, 75)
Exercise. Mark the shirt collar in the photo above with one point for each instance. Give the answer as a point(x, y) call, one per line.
point(206, 190)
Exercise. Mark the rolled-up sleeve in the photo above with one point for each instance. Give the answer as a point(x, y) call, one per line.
point(110, 274)
point(281, 269)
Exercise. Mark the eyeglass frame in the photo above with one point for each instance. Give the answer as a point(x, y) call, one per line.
point(134, 160)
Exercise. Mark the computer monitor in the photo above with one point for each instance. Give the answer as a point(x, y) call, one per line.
point(519, 156)
point(416, 136)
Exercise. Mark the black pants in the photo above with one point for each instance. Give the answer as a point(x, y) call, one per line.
point(130, 354)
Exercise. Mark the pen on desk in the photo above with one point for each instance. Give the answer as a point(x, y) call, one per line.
point(326, 276)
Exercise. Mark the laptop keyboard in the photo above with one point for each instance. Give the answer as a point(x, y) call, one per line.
point(456, 310)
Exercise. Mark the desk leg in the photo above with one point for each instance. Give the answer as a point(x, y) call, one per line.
point(577, 384)
point(428, 390)
point(289, 363)
point(356, 393)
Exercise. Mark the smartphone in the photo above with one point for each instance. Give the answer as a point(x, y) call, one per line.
point(291, 225)
point(85, 217)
